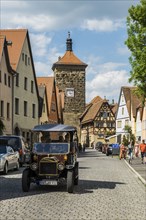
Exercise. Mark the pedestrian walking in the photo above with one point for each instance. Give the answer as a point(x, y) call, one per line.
point(84, 146)
point(122, 151)
point(142, 147)
point(136, 149)
point(130, 151)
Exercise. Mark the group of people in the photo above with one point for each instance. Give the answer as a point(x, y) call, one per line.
point(62, 139)
point(131, 149)
point(47, 139)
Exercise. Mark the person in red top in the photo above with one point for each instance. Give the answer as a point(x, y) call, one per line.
point(122, 151)
point(142, 147)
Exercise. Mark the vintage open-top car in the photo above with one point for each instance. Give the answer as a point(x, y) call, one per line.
point(53, 157)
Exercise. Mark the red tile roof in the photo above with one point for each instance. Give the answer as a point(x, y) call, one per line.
point(49, 83)
point(2, 40)
point(17, 36)
point(69, 58)
point(92, 109)
point(132, 100)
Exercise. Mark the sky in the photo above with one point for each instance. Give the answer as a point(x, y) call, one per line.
point(98, 31)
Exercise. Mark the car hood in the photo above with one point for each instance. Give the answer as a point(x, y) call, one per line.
point(1, 155)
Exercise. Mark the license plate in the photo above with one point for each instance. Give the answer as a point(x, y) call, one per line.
point(48, 182)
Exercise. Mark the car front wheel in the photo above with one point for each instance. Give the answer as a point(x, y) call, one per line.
point(25, 181)
point(6, 168)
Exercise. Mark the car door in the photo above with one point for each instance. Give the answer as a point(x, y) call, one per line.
point(11, 156)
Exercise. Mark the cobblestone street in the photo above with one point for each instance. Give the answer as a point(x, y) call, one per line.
point(107, 189)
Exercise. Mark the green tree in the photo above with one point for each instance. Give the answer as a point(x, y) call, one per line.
point(2, 127)
point(136, 42)
point(129, 135)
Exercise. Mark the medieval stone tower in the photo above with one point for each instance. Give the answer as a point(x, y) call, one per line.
point(70, 78)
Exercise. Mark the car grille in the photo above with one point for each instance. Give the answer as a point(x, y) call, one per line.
point(47, 168)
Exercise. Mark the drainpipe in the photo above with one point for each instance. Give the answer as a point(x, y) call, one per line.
point(14, 74)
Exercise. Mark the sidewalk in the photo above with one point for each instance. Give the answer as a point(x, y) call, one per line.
point(138, 168)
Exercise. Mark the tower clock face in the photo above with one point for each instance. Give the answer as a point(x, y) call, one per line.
point(70, 92)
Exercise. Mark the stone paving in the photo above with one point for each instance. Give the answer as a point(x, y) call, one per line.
point(107, 190)
point(138, 167)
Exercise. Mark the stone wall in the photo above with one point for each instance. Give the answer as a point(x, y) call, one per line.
point(72, 77)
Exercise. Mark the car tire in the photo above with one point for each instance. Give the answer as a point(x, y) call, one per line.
point(20, 164)
point(70, 181)
point(17, 165)
point(5, 168)
point(25, 181)
point(76, 181)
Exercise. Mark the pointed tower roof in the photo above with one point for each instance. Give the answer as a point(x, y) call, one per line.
point(69, 57)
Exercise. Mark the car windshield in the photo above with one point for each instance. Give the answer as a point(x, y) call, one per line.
point(51, 148)
point(10, 141)
point(3, 149)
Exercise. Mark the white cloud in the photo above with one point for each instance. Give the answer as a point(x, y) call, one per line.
point(43, 65)
point(40, 43)
point(102, 25)
point(96, 67)
point(123, 51)
point(109, 66)
point(14, 4)
point(54, 54)
point(43, 69)
point(40, 22)
point(106, 84)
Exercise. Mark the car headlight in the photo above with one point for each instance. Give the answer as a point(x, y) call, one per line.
point(34, 166)
point(35, 157)
point(60, 166)
point(1, 158)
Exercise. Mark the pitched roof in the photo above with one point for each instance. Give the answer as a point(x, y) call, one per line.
point(42, 95)
point(2, 40)
point(49, 83)
point(69, 58)
point(132, 100)
point(92, 109)
point(4, 48)
point(114, 107)
point(89, 105)
point(17, 36)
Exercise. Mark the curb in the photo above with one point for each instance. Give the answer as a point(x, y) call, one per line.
point(138, 175)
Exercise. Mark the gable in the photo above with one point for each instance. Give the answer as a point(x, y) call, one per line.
point(17, 37)
point(91, 111)
point(49, 83)
point(4, 52)
point(51, 96)
point(105, 111)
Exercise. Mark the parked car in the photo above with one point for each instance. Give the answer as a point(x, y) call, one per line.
point(53, 158)
point(109, 149)
point(18, 144)
point(104, 148)
point(9, 159)
point(99, 146)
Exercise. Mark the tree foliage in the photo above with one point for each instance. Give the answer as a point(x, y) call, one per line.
point(136, 42)
point(129, 135)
